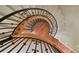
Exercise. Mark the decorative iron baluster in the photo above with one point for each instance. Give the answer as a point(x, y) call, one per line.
point(18, 17)
point(13, 9)
point(49, 48)
point(5, 32)
point(7, 28)
point(23, 45)
point(29, 46)
point(28, 13)
point(5, 40)
point(45, 47)
point(35, 50)
point(13, 20)
point(11, 40)
point(55, 49)
point(22, 14)
point(8, 24)
point(8, 46)
point(32, 12)
point(4, 36)
point(15, 46)
point(41, 47)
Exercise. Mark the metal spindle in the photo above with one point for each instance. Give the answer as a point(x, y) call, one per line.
point(8, 46)
point(41, 47)
point(15, 46)
point(23, 45)
point(45, 47)
point(29, 46)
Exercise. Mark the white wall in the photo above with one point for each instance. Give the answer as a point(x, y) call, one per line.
point(71, 14)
